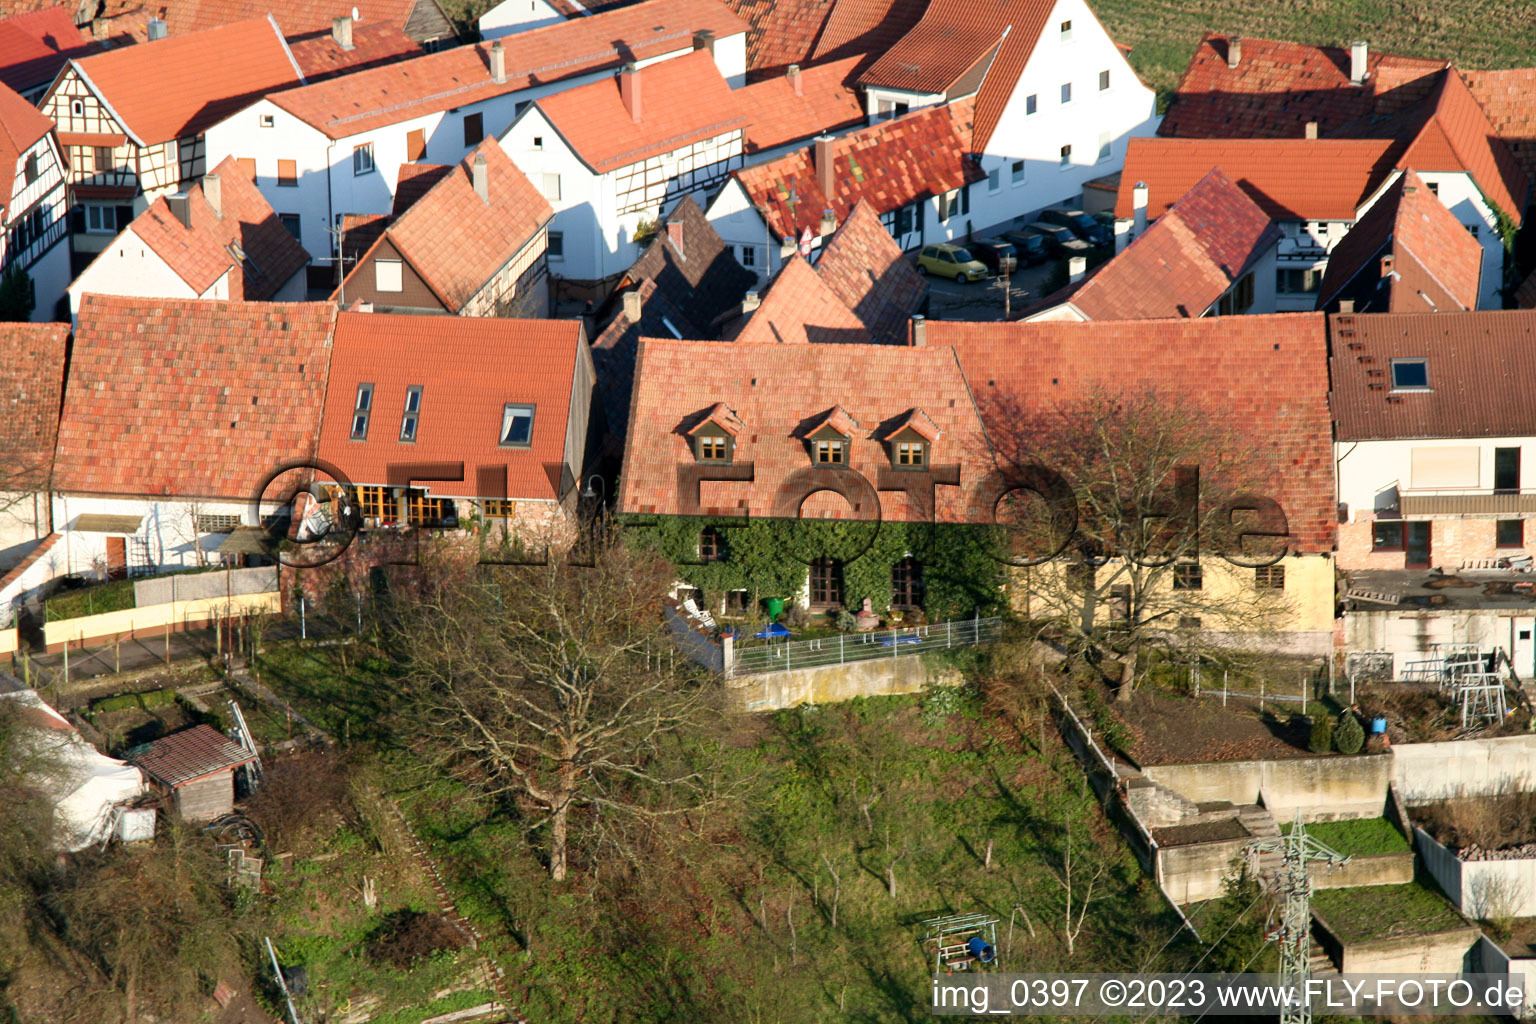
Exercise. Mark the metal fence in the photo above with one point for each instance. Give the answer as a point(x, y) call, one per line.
point(783, 655)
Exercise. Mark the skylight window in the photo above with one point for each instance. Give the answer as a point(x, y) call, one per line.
point(517, 425)
point(412, 415)
point(360, 410)
point(1410, 375)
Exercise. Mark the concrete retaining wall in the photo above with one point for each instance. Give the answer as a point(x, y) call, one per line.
point(1197, 871)
point(1424, 772)
point(1488, 958)
point(1441, 953)
point(194, 586)
point(827, 684)
point(1473, 884)
point(1381, 869)
point(1323, 788)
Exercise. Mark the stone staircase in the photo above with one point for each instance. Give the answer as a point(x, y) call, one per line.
point(1262, 825)
point(1321, 965)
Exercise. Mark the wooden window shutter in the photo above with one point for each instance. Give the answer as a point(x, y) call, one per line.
point(287, 172)
point(415, 144)
point(248, 166)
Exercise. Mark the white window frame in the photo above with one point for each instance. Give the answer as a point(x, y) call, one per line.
point(362, 410)
point(509, 412)
point(1106, 147)
point(1019, 172)
point(410, 419)
point(994, 181)
point(362, 160)
point(1064, 30)
point(554, 245)
point(1066, 155)
point(549, 187)
point(384, 283)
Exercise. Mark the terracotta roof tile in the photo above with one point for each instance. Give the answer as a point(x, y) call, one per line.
point(1266, 375)
point(457, 241)
point(775, 391)
point(176, 87)
point(459, 76)
point(1437, 263)
point(21, 125)
point(780, 32)
point(461, 404)
point(415, 181)
point(779, 116)
point(1279, 86)
point(866, 27)
point(237, 387)
point(864, 267)
point(35, 45)
point(1474, 361)
point(204, 252)
point(1457, 136)
point(359, 231)
point(31, 395)
point(799, 308)
point(888, 165)
point(320, 58)
point(683, 101)
point(1185, 261)
point(300, 17)
point(1508, 99)
point(188, 755)
point(1290, 179)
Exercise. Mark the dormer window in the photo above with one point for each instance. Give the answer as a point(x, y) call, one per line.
point(712, 434)
point(911, 454)
point(831, 453)
point(360, 411)
point(412, 415)
point(713, 448)
point(516, 425)
point(908, 438)
point(1410, 375)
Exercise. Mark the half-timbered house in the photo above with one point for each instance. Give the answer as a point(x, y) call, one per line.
point(613, 157)
point(133, 118)
point(32, 203)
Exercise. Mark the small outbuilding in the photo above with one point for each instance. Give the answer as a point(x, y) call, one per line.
point(197, 766)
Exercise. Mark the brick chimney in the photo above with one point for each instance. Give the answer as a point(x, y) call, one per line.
point(632, 305)
point(919, 330)
point(704, 40)
point(179, 209)
point(749, 302)
point(1077, 268)
point(1346, 305)
point(821, 158)
point(341, 31)
point(629, 90)
point(1359, 50)
point(1139, 197)
point(1386, 265)
point(675, 233)
point(156, 29)
point(498, 62)
point(794, 79)
point(213, 191)
point(478, 176)
point(1311, 129)
point(1234, 51)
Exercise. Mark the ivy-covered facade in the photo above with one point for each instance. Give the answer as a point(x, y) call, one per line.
point(945, 570)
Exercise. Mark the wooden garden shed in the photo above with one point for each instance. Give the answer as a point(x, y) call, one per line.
point(197, 766)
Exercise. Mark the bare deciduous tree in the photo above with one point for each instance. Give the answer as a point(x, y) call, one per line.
point(541, 684)
point(1131, 505)
point(1079, 877)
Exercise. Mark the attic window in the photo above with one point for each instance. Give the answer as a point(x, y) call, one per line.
point(911, 454)
point(412, 414)
point(360, 411)
point(77, 108)
point(831, 453)
point(1410, 375)
point(517, 425)
point(712, 448)
point(267, 120)
point(1066, 31)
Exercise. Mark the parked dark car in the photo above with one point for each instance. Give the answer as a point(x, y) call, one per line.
point(998, 254)
point(1031, 247)
point(1060, 240)
point(1080, 224)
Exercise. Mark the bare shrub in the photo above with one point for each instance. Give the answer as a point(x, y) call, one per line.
point(407, 936)
point(1488, 822)
point(1495, 897)
point(302, 799)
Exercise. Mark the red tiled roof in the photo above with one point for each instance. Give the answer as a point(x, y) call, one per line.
point(459, 76)
point(778, 116)
point(457, 241)
point(204, 252)
point(359, 231)
point(1475, 362)
point(34, 46)
point(1279, 86)
point(176, 87)
point(415, 181)
point(295, 16)
point(319, 56)
point(1457, 136)
point(799, 308)
point(781, 32)
point(683, 101)
point(1437, 263)
point(864, 267)
point(887, 165)
point(1266, 375)
point(776, 391)
point(461, 403)
point(950, 38)
point(1185, 261)
point(31, 394)
point(1508, 99)
point(1290, 179)
point(866, 27)
point(188, 755)
point(21, 125)
point(189, 398)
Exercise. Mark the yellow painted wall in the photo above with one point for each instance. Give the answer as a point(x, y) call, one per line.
point(96, 627)
point(10, 640)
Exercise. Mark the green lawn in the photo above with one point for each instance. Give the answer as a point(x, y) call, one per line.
point(1471, 33)
point(1359, 837)
point(1382, 911)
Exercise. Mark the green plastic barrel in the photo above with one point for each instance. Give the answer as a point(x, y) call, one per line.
point(775, 607)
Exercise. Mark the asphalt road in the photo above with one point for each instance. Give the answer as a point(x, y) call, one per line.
point(983, 300)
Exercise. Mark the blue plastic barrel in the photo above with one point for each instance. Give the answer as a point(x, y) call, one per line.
point(980, 950)
point(1378, 725)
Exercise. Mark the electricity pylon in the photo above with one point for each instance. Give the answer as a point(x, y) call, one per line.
point(1294, 935)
